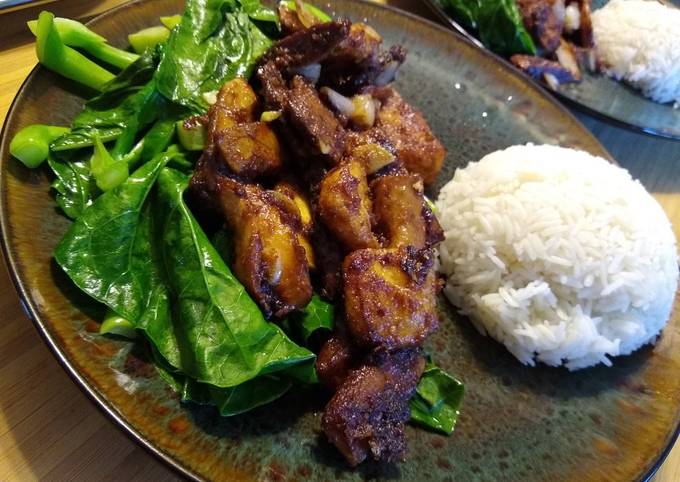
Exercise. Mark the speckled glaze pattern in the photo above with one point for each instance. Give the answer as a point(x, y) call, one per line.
point(517, 423)
point(603, 96)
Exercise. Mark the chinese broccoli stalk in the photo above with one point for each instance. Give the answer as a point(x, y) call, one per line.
point(54, 54)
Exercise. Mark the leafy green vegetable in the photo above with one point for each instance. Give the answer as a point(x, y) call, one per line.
point(31, 145)
point(497, 23)
point(75, 34)
point(214, 42)
point(103, 250)
point(208, 299)
point(64, 60)
point(317, 315)
point(74, 185)
point(148, 38)
point(108, 114)
point(437, 400)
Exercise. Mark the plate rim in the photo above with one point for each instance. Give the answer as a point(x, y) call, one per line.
point(32, 311)
point(439, 12)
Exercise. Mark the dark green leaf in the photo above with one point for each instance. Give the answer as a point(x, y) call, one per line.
point(74, 185)
point(437, 400)
point(317, 315)
point(105, 251)
point(214, 42)
point(497, 23)
point(223, 336)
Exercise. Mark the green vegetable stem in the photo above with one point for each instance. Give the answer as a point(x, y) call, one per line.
point(117, 325)
point(107, 171)
point(148, 38)
point(62, 59)
point(172, 21)
point(75, 34)
point(31, 145)
point(318, 13)
point(191, 138)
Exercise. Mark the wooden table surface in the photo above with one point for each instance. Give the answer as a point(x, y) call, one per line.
point(50, 430)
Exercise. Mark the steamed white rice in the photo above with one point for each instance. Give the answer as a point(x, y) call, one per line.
point(558, 254)
point(639, 42)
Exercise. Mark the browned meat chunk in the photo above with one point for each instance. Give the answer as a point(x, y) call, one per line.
point(541, 19)
point(537, 67)
point(390, 296)
point(401, 214)
point(268, 257)
point(315, 124)
point(307, 46)
point(328, 256)
point(335, 360)
point(406, 129)
point(359, 61)
point(249, 149)
point(366, 416)
point(344, 206)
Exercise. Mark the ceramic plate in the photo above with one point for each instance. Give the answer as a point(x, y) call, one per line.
point(517, 422)
point(601, 95)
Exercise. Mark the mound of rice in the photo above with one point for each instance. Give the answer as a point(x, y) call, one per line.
point(558, 254)
point(639, 42)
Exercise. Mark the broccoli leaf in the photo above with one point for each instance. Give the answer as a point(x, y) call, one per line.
point(437, 400)
point(215, 41)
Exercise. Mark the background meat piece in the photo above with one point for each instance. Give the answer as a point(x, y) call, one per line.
point(268, 257)
point(367, 413)
point(390, 296)
point(537, 67)
point(344, 206)
point(400, 212)
point(541, 19)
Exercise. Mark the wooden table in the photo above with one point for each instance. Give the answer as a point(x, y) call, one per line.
point(50, 430)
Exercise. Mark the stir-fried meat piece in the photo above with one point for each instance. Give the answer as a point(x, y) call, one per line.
point(366, 416)
point(541, 19)
point(305, 216)
point(336, 358)
point(586, 24)
point(401, 213)
point(328, 256)
point(406, 129)
point(314, 122)
point(249, 149)
point(307, 46)
point(309, 127)
point(537, 67)
point(269, 260)
point(358, 61)
point(344, 206)
point(390, 296)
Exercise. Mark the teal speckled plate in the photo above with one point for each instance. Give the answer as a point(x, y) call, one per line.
point(517, 423)
point(601, 95)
